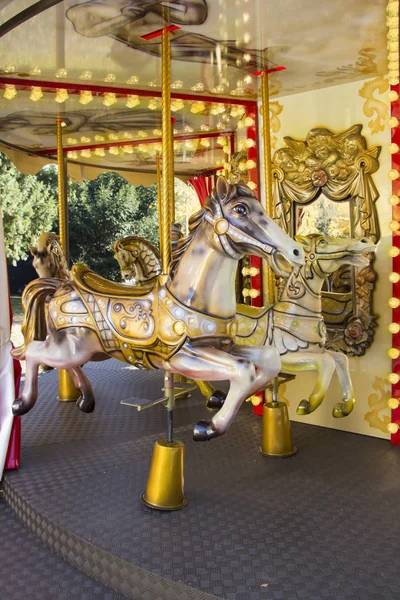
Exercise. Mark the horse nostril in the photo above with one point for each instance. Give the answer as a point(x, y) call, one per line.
point(296, 252)
point(364, 241)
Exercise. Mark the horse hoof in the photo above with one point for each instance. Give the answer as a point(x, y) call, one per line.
point(204, 431)
point(19, 408)
point(86, 405)
point(303, 408)
point(216, 400)
point(343, 409)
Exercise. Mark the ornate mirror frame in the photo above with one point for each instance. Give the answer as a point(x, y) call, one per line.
point(339, 166)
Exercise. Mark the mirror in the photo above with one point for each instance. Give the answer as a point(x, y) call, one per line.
point(324, 184)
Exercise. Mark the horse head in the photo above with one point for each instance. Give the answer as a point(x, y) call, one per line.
point(47, 255)
point(126, 258)
point(242, 226)
point(325, 254)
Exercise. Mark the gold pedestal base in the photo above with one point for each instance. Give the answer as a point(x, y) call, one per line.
point(164, 490)
point(67, 392)
point(276, 434)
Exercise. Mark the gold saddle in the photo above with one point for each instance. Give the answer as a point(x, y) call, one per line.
point(92, 283)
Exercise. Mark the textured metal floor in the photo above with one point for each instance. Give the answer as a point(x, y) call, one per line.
point(322, 524)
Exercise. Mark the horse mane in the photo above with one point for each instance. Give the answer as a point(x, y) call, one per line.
point(61, 263)
point(194, 222)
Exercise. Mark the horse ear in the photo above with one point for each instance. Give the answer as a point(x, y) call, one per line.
point(302, 239)
point(33, 250)
point(222, 188)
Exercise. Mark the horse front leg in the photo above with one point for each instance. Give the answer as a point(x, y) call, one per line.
point(344, 408)
point(209, 363)
point(27, 400)
point(86, 401)
point(298, 362)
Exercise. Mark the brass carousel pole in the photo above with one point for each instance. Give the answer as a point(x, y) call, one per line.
point(164, 490)
point(276, 434)
point(67, 392)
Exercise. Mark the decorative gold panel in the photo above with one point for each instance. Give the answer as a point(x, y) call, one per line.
point(324, 184)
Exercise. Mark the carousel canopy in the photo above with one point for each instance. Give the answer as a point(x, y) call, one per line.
point(96, 65)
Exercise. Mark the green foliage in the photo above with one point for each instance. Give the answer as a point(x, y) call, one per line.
point(99, 212)
point(103, 210)
point(29, 207)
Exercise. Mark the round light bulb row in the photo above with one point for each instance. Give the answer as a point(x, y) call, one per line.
point(392, 22)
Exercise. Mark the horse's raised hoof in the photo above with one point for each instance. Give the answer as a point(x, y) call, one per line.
point(216, 400)
point(19, 407)
point(86, 405)
point(303, 408)
point(343, 409)
point(204, 431)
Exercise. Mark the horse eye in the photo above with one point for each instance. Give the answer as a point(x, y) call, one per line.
point(240, 209)
point(322, 243)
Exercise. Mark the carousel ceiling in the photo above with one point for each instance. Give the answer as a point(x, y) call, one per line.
point(88, 62)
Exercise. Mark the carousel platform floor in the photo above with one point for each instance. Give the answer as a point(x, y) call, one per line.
point(321, 524)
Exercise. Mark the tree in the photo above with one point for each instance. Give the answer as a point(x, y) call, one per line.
point(28, 207)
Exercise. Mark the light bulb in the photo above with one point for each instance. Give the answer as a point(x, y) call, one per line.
point(71, 140)
point(205, 142)
point(394, 328)
point(250, 164)
point(394, 251)
point(85, 75)
point(394, 174)
point(204, 127)
point(132, 101)
point(188, 129)
point(177, 104)
point(393, 403)
point(128, 149)
point(100, 152)
point(394, 225)
point(252, 185)
point(394, 277)
point(153, 104)
point(73, 155)
point(114, 150)
point(36, 71)
point(394, 200)
point(392, 8)
point(197, 107)
point(36, 94)
point(142, 134)
point(110, 77)
point(61, 73)
point(113, 137)
point(393, 122)
point(249, 122)
point(157, 132)
point(10, 92)
point(249, 143)
point(394, 303)
point(99, 138)
point(86, 153)
point(393, 148)
point(177, 85)
point(61, 96)
point(393, 428)
point(393, 353)
point(199, 87)
point(393, 96)
point(109, 99)
point(85, 97)
point(393, 378)
point(85, 140)
point(132, 80)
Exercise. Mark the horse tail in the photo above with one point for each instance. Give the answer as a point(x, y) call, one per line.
point(34, 304)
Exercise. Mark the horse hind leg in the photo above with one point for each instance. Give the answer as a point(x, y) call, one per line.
point(344, 408)
point(86, 402)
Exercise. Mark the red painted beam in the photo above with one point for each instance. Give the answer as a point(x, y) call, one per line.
point(158, 32)
point(120, 92)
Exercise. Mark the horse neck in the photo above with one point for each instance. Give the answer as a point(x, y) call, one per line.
point(309, 296)
point(205, 276)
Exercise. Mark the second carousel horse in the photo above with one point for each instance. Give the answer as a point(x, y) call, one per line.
point(295, 325)
point(184, 323)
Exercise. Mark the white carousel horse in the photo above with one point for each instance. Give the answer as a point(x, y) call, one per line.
point(183, 324)
point(295, 325)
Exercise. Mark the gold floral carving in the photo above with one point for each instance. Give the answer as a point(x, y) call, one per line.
point(364, 65)
point(372, 106)
point(378, 405)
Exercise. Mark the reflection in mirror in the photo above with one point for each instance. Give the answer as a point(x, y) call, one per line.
point(324, 216)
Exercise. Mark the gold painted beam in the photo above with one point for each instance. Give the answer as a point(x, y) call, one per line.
point(62, 192)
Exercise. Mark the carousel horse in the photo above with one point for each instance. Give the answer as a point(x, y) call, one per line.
point(48, 257)
point(140, 261)
point(183, 323)
point(295, 325)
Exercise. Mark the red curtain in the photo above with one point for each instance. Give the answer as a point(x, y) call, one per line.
point(203, 186)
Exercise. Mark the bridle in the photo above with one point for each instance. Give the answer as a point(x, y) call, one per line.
point(313, 259)
point(226, 231)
